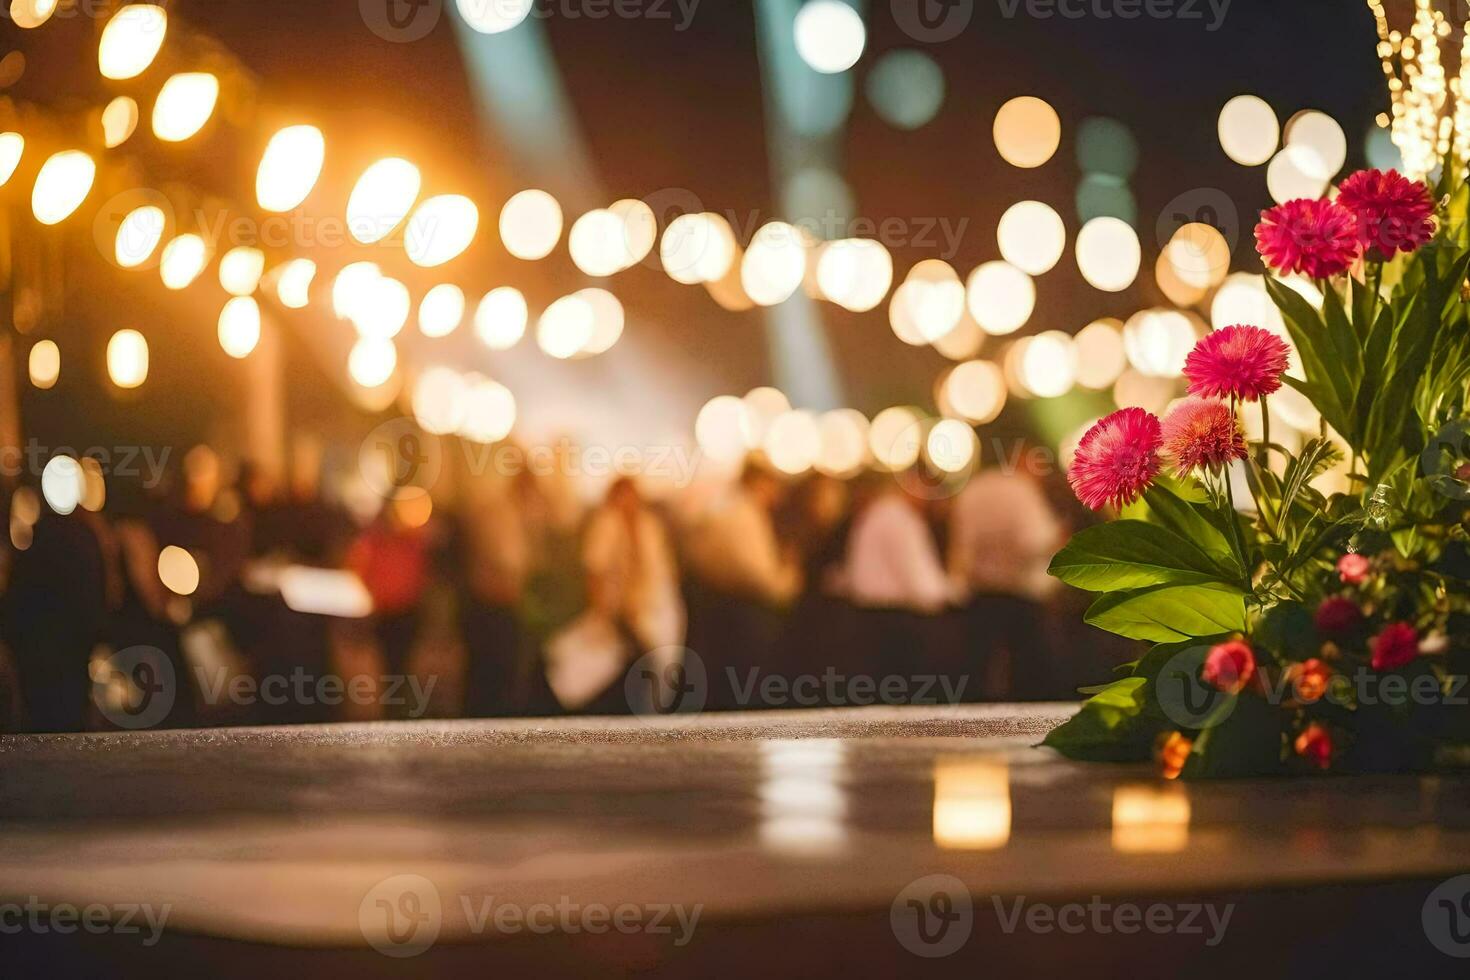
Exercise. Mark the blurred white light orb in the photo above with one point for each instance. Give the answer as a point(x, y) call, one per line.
point(844, 437)
point(598, 243)
point(829, 35)
point(44, 364)
point(963, 342)
point(182, 261)
point(289, 168)
point(1198, 255)
point(494, 16)
point(1249, 131)
point(381, 199)
point(1294, 173)
point(372, 361)
point(607, 320)
point(1048, 367)
point(719, 428)
point(951, 446)
point(119, 120)
point(30, 14)
point(62, 484)
point(12, 147)
point(352, 289)
point(440, 229)
point(62, 185)
point(895, 437)
point(1322, 135)
point(1000, 297)
point(489, 412)
point(501, 318)
point(530, 224)
point(763, 406)
point(138, 235)
point(1100, 354)
point(1031, 237)
point(239, 326)
point(565, 327)
point(774, 264)
point(1108, 254)
point(293, 283)
point(697, 248)
point(127, 359)
point(976, 390)
point(640, 228)
point(178, 571)
point(240, 270)
point(1134, 389)
point(793, 441)
point(441, 310)
point(1027, 131)
point(1157, 342)
point(184, 105)
point(384, 309)
point(131, 40)
point(928, 304)
point(440, 400)
point(855, 273)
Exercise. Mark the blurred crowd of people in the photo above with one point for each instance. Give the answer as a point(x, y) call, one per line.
point(516, 598)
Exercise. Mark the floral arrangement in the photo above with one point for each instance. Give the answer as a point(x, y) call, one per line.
point(1307, 610)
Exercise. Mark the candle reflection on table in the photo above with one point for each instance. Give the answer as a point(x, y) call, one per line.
point(972, 803)
point(803, 801)
point(1150, 819)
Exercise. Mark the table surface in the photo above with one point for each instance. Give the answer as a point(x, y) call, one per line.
point(281, 835)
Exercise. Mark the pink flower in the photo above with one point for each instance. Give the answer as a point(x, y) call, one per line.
point(1237, 361)
point(1201, 433)
point(1394, 214)
point(1396, 646)
point(1317, 238)
point(1230, 666)
point(1117, 459)
point(1353, 569)
point(1315, 745)
point(1337, 615)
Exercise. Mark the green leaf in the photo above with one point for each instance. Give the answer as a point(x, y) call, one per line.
point(1316, 457)
point(1343, 342)
point(1326, 383)
point(1107, 727)
point(1181, 511)
point(1169, 613)
point(1131, 555)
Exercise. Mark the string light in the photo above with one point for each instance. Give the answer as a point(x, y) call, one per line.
point(131, 40)
point(289, 168)
point(184, 105)
point(62, 185)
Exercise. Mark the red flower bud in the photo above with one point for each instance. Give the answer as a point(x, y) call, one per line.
point(1337, 615)
point(1353, 569)
point(1315, 745)
point(1396, 646)
point(1309, 680)
point(1230, 666)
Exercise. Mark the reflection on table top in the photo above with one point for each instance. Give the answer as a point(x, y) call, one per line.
point(279, 834)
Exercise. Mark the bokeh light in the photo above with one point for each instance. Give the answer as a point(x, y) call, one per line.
point(138, 235)
point(1248, 130)
point(793, 441)
point(30, 14)
point(607, 320)
point(381, 199)
point(1108, 254)
point(1294, 173)
point(530, 224)
point(383, 309)
point(719, 428)
point(928, 304)
point(1027, 131)
point(127, 359)
point(44, 364)
point(62, 484)
point(239, 326)
point(976, 390)
point(844, 438)
point(906, 88)
point(1157, 342)
point(565, 327)
point(119, 120)
point(1048, 367)
point(1100, 355)
point(62, 185)
point(494, 16)
point(762, 406)
point(372, 361)
point(12, 147)
point(489, 411)
point(1321, 135)
point(1000, 297)
point(441, 228)
point(896, 437)
point(1031, 237)
point(855, 273)
point(289, 168)
point(182, 261)
point(240, 269)
point(829, 35)
point(951, 446)
point(178, 571)
point(184, 105)
point(352, 288)
point(775, 263)
point(441, 310)
point(598, 243)
point(697, 248)
point(293, 283)
point(131, 40)
point(439, 400)
point(501, 318)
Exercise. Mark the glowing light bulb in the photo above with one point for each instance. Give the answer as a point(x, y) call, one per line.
point(127, 359)
point(239, 326)
point(131, 40)
point(530, 224)
point(138, 235)
point(440, 229)
point(184, 105)
point(289, 168)
point(183, 260)
point(440, 310)
point(240, 269)
point(62, 185)
point(501, 318)
point(293, 285)
point(381, 199)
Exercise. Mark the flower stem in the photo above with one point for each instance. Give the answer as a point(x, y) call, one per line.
point(1265, 435)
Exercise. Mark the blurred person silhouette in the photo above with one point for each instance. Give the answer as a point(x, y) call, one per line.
point(392, 558)
point(1003, 533)
point(817, 520)
point(633, 582)
point(210, 523)
point(896, 580)
point(743, 579)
